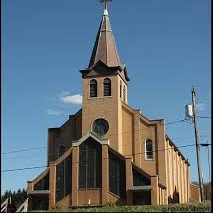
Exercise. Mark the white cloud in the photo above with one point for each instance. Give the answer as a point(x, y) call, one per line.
point(201, 106)
point(54, 112)
point(72, 99)
point(63, 93)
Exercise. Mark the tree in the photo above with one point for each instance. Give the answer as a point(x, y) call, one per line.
point(17, 198)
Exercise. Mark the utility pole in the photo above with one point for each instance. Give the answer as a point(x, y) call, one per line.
point(206, 195)
point(197, 143)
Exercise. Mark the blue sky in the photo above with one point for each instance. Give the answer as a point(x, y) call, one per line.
point(165, 44)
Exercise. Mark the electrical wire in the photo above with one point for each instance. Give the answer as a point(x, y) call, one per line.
point(55, 153)
point(38, 148)
point(184, 146)
point(23, 150)
point(11, 170)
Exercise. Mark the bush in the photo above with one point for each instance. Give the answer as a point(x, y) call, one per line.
point(56, 208)
point(186, 207)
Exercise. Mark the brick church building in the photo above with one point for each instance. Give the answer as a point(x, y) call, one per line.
point(108, 151)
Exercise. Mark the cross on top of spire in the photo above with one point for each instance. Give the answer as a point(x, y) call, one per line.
point(105, 6)
point(105, 48)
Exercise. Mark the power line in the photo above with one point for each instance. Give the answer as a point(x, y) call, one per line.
point(202, 136)
point(11, 170)
point(55, 153)
point(184, 146)
point(176, 122)
point(38, 148)
point(204, 117)
point(23, 150)
point(24, 156)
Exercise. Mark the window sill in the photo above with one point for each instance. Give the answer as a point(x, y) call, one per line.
point(90, 98)
point(151, 159)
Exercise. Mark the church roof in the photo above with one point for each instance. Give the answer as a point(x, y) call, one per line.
point(105, 48)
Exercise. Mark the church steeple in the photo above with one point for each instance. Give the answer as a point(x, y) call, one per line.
point(105, 48)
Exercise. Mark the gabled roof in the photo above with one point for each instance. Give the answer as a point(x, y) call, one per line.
point(105, 48)
point(89, 135)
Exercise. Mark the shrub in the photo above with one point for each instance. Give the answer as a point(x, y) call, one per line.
point(56, 208)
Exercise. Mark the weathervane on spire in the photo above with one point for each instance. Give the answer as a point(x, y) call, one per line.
point(105, 6)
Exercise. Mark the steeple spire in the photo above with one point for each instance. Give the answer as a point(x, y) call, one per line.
point(105, 6)
point(105, 48)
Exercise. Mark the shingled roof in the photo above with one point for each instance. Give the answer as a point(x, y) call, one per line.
point(105, 48)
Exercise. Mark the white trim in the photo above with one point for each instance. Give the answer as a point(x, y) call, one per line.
point(5, 204)
point(91, 98)
point(87, 135)
point(136, 188)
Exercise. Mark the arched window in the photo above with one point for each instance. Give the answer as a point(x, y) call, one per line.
point(148, 149)
point(120, 89)
point(90, 167)
point(107, 87)
point(124, 94)
point(93, 88)
point(61, 150)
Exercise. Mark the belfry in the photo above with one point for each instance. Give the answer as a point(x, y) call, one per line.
point(108, 151)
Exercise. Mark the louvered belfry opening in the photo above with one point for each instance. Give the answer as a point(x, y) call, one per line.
point(93, 88)
point(107, 87)
point(90, 165)
point(124, 94)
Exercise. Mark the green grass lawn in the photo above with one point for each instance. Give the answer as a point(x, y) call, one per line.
point(187, 207)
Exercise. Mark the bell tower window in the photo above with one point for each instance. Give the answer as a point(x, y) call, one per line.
point(124, 94)
point(93, 88)
point(107, 87)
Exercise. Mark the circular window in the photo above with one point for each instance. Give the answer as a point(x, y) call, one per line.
point(100, 127)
